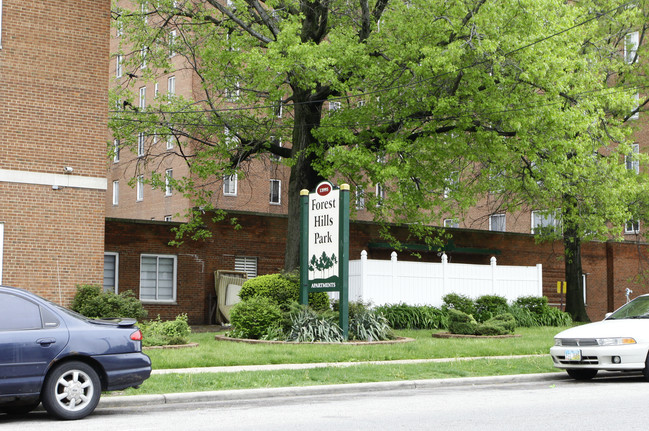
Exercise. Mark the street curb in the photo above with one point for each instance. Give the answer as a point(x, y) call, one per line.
point(253, 394)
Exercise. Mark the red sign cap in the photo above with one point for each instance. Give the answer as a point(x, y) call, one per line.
point(323, 189)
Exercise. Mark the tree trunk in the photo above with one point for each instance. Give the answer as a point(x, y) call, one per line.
point(303, 175)
point(573, 273)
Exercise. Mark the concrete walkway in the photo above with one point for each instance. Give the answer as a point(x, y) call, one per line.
point(253, 394)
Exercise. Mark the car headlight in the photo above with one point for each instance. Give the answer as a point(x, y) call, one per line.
point(557, 341)
point(615, 341)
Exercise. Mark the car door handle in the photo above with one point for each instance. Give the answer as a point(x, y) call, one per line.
point(46, 341)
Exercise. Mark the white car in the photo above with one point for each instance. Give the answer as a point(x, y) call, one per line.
point(620, 342)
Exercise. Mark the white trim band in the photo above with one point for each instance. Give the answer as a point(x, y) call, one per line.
point(54, 180)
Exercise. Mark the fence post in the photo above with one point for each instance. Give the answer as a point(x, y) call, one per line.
point(363, 283)
point(492, 261)
point(444, 273)
point(393, 270)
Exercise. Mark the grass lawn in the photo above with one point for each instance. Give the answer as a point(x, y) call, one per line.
point(223, 353)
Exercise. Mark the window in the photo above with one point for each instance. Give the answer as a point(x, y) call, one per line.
point(139, 188)
point(156, 91)
point(360, 198)
point(631, 42)
point(172, 42)
point(115, 192)
point(451, 182)
point(632, 227)
point(636, 115)
point(497, 222)
point(544, 221)
point(277, 142)
point(275, 192)
point(631, 161)
point(111, 272)
point(230, 185)
point(278, 108)
point(143, 57)
point(18, 313)
point(142, 97)
point(158, 278)
point(246, 264)
point(451, 222)
point(171, 86)
point(169, 175)
point(380, 195)
point(140, 144)
point(167, 218)
point(334, 106)
point(118, 66)
point(116, 146)
point(232, 93)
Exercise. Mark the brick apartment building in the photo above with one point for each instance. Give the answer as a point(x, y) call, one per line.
point(53, 119)
point(140, 218)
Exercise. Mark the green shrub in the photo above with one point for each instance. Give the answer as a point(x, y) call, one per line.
point(253, 317)
point(523, 316)
point(93, 302)
point(489, 329)
point(487, 306)
point(403, 316)
point(458, 302)
point(554, 317)
point(535, 304)
point(307, 325)
point(170, 332)
point(505, 321)
point(283, 289)
point(461, 323)
point(368, 325)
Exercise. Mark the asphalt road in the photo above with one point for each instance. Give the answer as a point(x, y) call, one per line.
point(527, 403)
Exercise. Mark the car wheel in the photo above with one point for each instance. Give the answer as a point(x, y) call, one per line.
point(645, 372)
point(582, 374)
point(71, 390)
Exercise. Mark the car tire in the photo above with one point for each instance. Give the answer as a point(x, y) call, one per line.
point(71, 390)
point(645, 372)
point(582, 374)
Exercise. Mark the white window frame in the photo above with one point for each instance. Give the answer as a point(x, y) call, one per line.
point(631, 43)
point(143, 57)
point(451, 223)
point(359, 199)
point(172, 41)
point(493, 224)
point(171, 86)
point(169, 175)
point(119, 68)
point(140, 144)
point(279, 192)
point(115, 192)
point(549, 219)
point(632, 227)
point(142, 103)
point(157, 287)
point(451, 181)
point(636, 115)
point(116, 273)
point(116, 147)
point(139, 188)
point(156, 91)
point(247, 264)
point(380, 194)
point(631, 162)
point(168, 218)
point(334, 106)
point(230, 185)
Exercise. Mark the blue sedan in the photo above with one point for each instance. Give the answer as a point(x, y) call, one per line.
point(52, 355)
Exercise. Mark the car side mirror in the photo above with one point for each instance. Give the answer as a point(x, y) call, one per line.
point(607, 315)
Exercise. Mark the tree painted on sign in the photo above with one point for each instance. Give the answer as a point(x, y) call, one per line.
point(322, 263)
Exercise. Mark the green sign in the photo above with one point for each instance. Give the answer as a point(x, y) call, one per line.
point(324, 245)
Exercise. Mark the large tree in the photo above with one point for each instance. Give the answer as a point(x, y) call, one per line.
point(437, 102)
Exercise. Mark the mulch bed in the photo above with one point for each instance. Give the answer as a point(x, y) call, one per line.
point(449, 335)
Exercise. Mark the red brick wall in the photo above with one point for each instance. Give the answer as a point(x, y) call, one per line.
point(610, 266)
point(53, 113)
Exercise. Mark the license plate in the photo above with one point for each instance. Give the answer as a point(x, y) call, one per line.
point(573, 355)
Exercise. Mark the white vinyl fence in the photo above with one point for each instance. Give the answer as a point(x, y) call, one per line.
point(421, 283)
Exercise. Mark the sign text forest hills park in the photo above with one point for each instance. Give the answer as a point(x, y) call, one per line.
point(324, 242)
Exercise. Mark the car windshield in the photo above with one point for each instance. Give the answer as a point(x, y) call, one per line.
point(636, 309)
